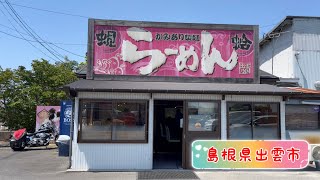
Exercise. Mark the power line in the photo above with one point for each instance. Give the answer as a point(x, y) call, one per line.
point(50, 11)
point(40, 37)
point(24, 37)
point(77, 15)
point(48, 41)
point(29, 40)
point(31, 32)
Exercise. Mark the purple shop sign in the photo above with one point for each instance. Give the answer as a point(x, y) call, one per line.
point(124, 50)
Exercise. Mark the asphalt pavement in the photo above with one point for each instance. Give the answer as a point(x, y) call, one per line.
point(44, 163)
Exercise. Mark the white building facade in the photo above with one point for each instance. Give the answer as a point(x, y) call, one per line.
point(292, 50)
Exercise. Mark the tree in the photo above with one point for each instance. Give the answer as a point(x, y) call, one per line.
point(22, 90)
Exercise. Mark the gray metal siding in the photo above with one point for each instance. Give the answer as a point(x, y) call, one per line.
point(253, 98)
point(306, 44)
point(308, 68)
point(187, 96)
point(113, 95)
point(306, 25)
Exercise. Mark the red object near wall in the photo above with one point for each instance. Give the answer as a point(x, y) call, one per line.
point(19, 133)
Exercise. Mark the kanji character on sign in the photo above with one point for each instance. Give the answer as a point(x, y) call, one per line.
point(245, 154)
point(277, 154)
point(261, 155)
point(241, 42)
point(293, 154)
point(229, 155)
point(108, 39)
point(212, 155)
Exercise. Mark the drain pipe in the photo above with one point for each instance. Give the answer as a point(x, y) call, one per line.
point(72, 97)
point(71, 134)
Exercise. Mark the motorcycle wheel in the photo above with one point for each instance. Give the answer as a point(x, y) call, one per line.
point(18, 148)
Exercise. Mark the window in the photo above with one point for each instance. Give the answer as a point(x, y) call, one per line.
point(203, 116)
point(302, 117)
point(258, 121)
point(113, 121)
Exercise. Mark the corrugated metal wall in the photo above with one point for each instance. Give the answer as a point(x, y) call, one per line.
point(307, 48)
point(187, 96)
point(253, 98)
point(113, 95)
point(87, 156)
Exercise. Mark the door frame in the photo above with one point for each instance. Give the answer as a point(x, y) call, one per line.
point(154, 127)
point(187, 164)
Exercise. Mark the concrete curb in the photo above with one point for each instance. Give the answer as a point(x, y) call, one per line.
point(4, 144)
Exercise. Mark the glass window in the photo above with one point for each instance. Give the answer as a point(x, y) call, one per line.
point(96, 120)
point(240, 121)
point(258, 121)
point(112, 121)
point(265, 121)
point(302, 117)
point(203, 116)
point(129, 121)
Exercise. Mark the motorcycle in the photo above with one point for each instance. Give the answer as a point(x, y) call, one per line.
point(42, 137)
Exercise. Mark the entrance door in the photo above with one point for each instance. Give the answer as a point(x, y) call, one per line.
point(202, 123)
point(167, 137)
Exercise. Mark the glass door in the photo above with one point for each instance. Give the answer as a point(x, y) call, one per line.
point(202, 122)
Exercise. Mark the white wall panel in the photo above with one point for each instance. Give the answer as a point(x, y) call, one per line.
point(283, 120)
point(186, 96)
point(113, 95)
point(223, 120)
point(281, 49)
point(250, 98)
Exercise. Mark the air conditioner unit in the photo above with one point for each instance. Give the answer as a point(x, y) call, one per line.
point(314, 152)
point(317, 85)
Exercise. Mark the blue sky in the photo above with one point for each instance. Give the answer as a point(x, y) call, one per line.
point(59, 28)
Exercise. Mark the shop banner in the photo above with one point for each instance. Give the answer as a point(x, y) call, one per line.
point(184, 52)
point(66, 117)
point(46, 114)
point(273, 154)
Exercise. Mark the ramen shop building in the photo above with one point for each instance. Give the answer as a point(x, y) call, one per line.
point(153, 88)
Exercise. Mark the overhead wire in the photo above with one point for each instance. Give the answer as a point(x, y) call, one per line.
point(40, 37)
point(8, 34)
point(78, 15)
point(25, 38)
point(32, 33)
point(75, 44)
point(50, 11)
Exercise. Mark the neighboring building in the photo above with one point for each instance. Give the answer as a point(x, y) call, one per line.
point(291, 51)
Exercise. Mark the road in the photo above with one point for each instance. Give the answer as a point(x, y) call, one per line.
point(42, 163)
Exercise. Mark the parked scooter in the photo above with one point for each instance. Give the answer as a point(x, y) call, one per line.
point(42, 137)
